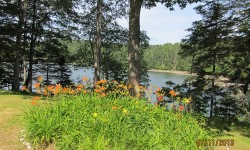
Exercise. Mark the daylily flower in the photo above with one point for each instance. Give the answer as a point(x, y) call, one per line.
point(84, 79)
point(181, 108)
point(160, 98)
point(172, 93)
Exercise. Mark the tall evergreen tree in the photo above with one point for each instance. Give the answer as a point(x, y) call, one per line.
point(217, 44)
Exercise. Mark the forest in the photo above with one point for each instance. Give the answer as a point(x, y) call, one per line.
point(49, 35)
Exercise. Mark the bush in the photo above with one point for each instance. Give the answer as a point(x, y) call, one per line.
point(91, 122)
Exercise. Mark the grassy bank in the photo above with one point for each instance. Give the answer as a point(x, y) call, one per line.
point(91, 122)
point(12, 114)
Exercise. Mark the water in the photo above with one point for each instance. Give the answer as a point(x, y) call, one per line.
point(157, 79)
point(75, 74)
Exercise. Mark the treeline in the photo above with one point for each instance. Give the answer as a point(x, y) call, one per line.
point(166, 57)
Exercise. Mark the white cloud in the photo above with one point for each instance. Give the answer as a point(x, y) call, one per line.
point(164, 26)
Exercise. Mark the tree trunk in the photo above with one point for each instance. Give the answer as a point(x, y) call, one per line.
point(134, 46)
point(245, 88)
point(212, 88)
point(24, 71)
point(22, 16)
point(28, 84)
point(97, 52)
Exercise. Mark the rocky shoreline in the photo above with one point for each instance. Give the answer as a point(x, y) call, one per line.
point(172, 71)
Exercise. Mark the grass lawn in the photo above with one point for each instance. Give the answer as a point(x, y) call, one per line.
point(11, 120)
point(12, 109)
point(241, 140)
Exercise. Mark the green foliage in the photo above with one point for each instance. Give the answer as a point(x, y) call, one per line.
point(166, 57)
point(89, 122)
point(218, 46)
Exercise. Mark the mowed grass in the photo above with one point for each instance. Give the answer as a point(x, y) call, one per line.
point(241, 140)
point(12, 109)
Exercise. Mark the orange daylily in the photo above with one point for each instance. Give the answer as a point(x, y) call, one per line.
point(45, 92)
point(85, 91)
point(158, 89)
point(36, 98)
point(58, 86)
point(103, 95)
point(33, 102)
point(71, 91)
point(125, 87)
point(40, 78)
point(50, 87)
point(37, 85)
point(84, 79)
point(172, 93)
point(103, 88)
point(79, 87)
point(97, 90)
point(129, 86)
point(24, 88)
point(56, 91)
point(103, 81)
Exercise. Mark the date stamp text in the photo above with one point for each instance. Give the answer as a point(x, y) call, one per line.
point(215, 142)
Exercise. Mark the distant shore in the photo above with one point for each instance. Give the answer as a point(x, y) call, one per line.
point(172, 71)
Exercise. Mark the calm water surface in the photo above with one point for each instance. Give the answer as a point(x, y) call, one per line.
point(157, 79)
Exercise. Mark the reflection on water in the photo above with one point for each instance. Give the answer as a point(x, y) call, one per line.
point(68, 74)
point(158, 79)
point(78, 73)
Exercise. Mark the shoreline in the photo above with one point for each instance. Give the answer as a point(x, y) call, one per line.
point(172, 71)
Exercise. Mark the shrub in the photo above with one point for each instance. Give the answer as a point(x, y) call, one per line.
point(94, 122)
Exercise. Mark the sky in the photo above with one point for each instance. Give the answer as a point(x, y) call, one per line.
point(164, 26)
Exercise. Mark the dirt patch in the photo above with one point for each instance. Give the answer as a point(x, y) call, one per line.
point(9, 139)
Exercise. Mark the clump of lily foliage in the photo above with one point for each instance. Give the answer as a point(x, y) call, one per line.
point(104, 116)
